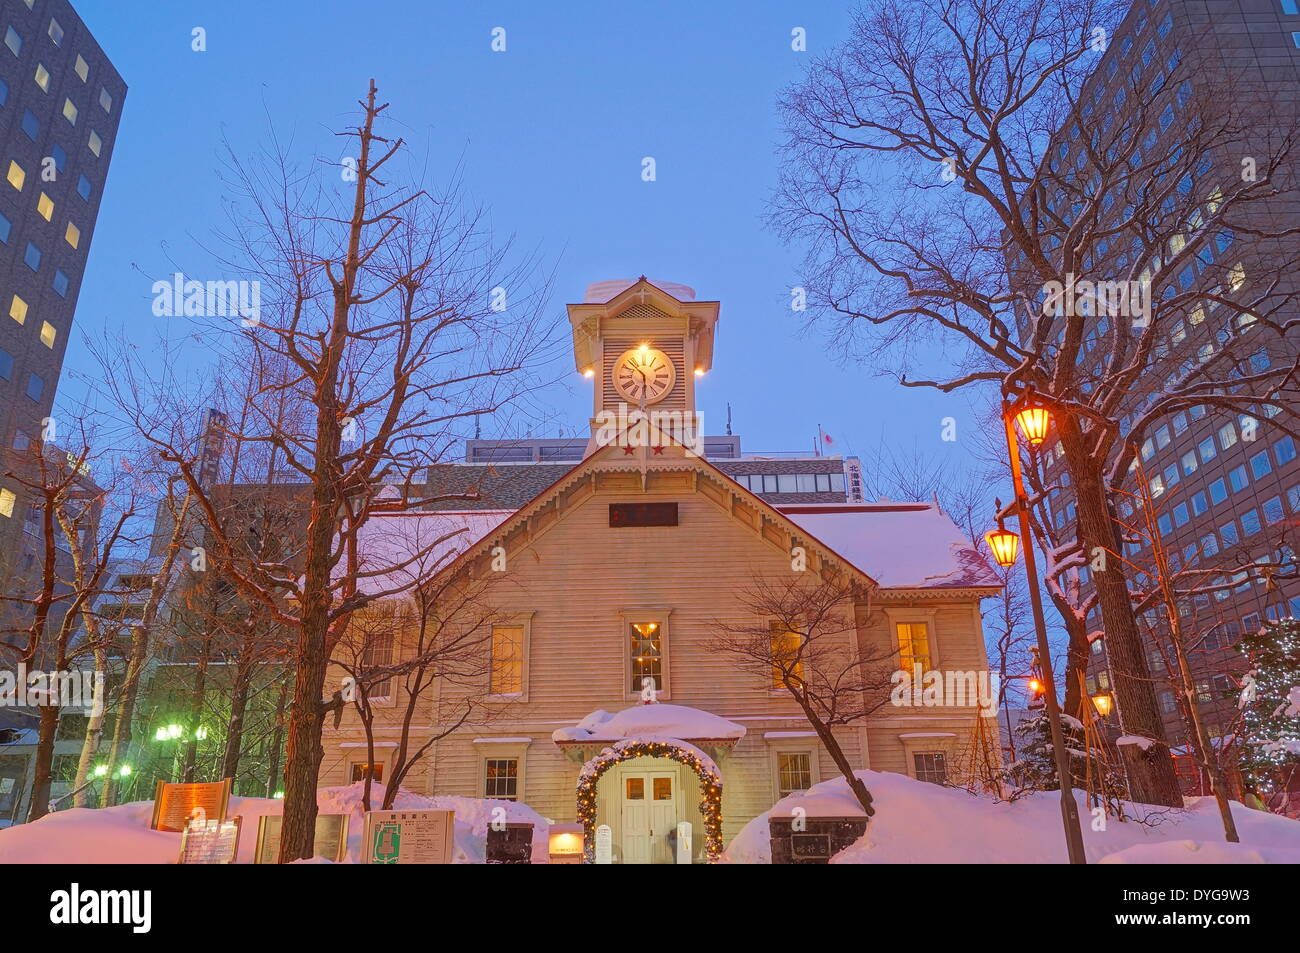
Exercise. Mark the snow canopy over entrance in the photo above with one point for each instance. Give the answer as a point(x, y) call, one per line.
point(652, 721)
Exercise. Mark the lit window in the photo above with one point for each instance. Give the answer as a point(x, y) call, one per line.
point(96, 144)
point(16, 175)
point(913, 645)
point(501, 779)
point(69, 111)
point(378, 653)
point(18, 309)
point(646, 646)
point(362, 770)
point(1237, 277)
point(82, 68)
point(72, 235)
point(7, 500)
point(13, 41)
point(785, 655)
point(931, 766)
point(793, 773)
point(42, 77)
point(105, 100)
point(507, 676)
point(45, 206)
point(48, 334)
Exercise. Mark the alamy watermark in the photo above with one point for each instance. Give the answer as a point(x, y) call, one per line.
point(634, 427)
point(71, 688)
point(1121, 299)
point(183, 297)
point(921, 688)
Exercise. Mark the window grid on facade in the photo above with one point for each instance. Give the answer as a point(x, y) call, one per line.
point(501, 779)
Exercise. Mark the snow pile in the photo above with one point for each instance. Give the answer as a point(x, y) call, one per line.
point(917, 822)
point(121, 834)
point(652, 721)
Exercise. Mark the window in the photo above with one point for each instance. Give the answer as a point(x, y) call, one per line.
point(931, 766)
point(785, 655)
point(32, 257)
point(1189, 462)
point(56, 32)
point(69, 111)
point(1295, 40)
point(362, 770)
point(82, 68)
point(60, 157)
point(7, 500)
point(13, 41)
point(1199, 503)
point(6, 365)
point(1180, 514)
point(18, 309)
point(45, 207)
point(1284, 451)
point(60, 283)
point(647, 655)
point(793, 773)
point(913, 645)
point(1250, 524)
point(5, 226)
point(507, 675)
point(48, 334)
point(83, 187)
point(1218, 491)
point(1227, 436)
point(1237, 479)
point(1260, 464)
point(1272, 509)
point(95, 143)
point(501, 779)
point(105, 100)
point(35, 386)
point(31, 125)
point(16, 175)
point(1228, 533)
point(72, 235)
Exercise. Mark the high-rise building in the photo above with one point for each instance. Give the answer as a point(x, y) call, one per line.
point(1224, 487)
point(60, 102)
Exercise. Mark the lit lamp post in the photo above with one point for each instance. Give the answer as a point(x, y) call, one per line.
point(1033, 418)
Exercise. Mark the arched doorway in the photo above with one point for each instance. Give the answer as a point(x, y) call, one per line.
point(673, 749)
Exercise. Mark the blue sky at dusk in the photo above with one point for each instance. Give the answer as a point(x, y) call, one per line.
point(551, 134)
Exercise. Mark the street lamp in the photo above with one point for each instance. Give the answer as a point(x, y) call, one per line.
point(1103, 703)
point(1033, 419)
point(1002, 544)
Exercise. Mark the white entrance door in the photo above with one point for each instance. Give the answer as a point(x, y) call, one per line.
point(649, 813)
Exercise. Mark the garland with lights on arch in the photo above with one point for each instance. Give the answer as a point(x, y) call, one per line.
point(672, 748)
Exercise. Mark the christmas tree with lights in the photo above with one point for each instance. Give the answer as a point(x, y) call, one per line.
point(1269, 703)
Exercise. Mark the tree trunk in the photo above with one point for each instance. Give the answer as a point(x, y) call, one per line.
point(196, 711)
point(90, 744)
point(1150, 768)
point(238, 708)
point(125, 713)
point(277, 739)
point(40, 804)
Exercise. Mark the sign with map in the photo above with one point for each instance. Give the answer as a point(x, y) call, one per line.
point(408, 837)
point(210, 842)
point(175, 805)
point(331, 840)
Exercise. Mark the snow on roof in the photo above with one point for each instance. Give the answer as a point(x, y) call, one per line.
point(652, 721)
point(404, 549)
point(598, 292)
point(899, 545)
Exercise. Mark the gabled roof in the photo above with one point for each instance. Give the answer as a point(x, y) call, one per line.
point(894, 546)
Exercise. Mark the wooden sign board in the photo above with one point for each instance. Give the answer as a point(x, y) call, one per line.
point(408, 837)
point(175, 804)
point(331, 840)
point(210, 842)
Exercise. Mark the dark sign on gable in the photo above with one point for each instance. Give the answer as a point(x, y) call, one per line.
point(642, 514)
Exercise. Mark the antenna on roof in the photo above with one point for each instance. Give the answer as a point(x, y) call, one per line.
point(477, 426)
point(728, 420)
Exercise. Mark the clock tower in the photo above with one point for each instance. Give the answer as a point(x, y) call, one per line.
point(643, 344)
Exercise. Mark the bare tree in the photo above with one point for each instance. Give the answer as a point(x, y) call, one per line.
point(804, 637)
point(960, 176)
point(398, 318)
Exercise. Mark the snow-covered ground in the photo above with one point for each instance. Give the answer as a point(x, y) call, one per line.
point(121, 835)
point(920, 823)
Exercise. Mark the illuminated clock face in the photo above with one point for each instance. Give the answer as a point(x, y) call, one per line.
point(644, 374)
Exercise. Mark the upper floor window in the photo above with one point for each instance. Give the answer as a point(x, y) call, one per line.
point(56, 32)
point(785, 655)
point(70, 111)
point(7, 500)
point(913, 645)
point(82, 68)
point(507, 674)
point(646, 648)
point(105, 100)
point(13, 41)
